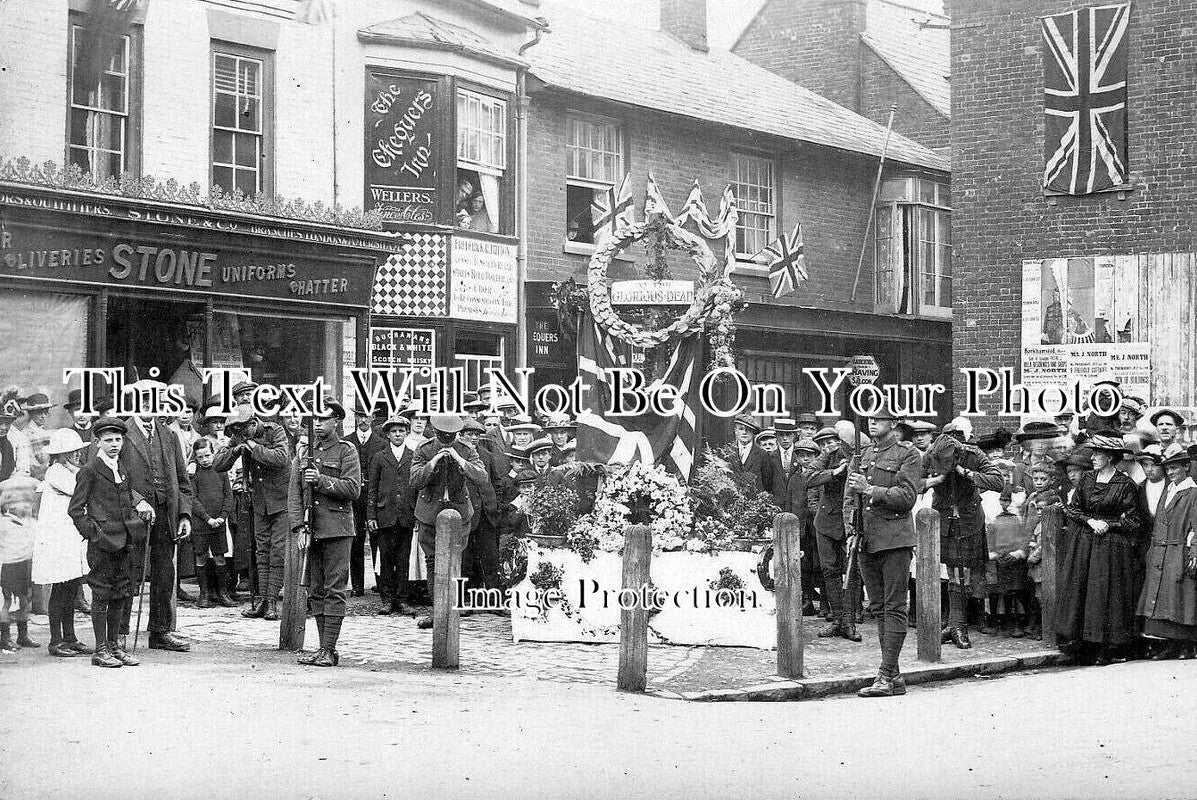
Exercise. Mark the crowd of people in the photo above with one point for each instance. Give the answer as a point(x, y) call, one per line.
point(114, 502)
point(1122, 485)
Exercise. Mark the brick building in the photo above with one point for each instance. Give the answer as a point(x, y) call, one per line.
point(1111, 273)
point(865, 55)
point(656, 98)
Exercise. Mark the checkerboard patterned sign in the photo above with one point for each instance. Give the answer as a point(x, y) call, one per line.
point(413, 282)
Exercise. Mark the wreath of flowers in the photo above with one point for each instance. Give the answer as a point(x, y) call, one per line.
point(628, 487)
point(599, 286)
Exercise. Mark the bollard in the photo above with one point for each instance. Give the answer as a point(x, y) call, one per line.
point(1051, 523)
point(787, 591)
point(293, 616)
point(926, 585)
point(446, 619)
point(633, 622)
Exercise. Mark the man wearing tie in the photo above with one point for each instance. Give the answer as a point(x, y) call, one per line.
point(152, 460)
point(749, 457)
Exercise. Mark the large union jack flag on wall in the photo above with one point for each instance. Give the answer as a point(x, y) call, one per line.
point(1084, 88)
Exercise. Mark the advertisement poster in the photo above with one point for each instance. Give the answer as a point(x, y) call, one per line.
point(1080, 318)
point(482, 281)
point(401, 121)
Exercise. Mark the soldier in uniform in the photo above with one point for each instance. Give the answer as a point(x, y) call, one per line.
point(887, 485)
point(335, 480)
point(956, 494)
point(262, 448)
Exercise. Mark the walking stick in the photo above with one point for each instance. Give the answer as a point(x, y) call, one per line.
point(145, 565)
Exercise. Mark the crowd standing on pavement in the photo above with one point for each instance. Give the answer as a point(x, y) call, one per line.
point(111, 502)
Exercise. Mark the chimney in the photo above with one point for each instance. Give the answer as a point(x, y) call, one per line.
point(686, 20)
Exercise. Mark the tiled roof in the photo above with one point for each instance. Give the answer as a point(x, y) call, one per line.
point(421, 30)
point(651, 69)
point(918, 53)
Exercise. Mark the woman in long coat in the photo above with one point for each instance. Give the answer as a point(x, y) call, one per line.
point(1098, 562)
point(1168, 603)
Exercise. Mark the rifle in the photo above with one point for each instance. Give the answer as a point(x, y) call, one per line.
point(305, 532)
point(857, 515)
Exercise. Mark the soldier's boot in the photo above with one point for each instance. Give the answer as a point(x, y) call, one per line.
point(826, 611)
point(310, 658)
point(205, 596)
point(6, 643)
point(117, 651)
point(328, 656)
point(23, 639)
point(219, 596)
point(960, 638)
point(271, 610)
point(849, 629)
point(883, 686)
point(832, 629)
point(257, 608)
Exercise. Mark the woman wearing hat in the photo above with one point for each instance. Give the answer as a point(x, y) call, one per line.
point(1168, 603)
point(1096, 576)
point(59, 554)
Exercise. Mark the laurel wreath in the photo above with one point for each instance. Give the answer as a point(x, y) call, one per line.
point(599, 287)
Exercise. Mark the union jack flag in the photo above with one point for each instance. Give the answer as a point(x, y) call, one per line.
point(611, 208)
point(648, 437)
point(1084, 89)
point(787, 262)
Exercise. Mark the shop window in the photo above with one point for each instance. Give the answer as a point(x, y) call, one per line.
point(753, 182)
point(239, 120)
point(481, 161)
point(31, 358)
point(913, 248)
point(475, 354)
point(278, 350)
point(100, 132)
point(593, 164)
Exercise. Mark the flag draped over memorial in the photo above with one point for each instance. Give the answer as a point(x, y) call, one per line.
point(1084, 88)
point(648, 437)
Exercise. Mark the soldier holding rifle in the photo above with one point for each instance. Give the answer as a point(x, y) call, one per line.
point(328, 475)
point(885, 482)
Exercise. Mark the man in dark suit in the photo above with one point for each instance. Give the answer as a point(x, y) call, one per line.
point(367, 442)
point(390, 510)
point(153, 462)
point(266, 472)
point(887, 483)
point(828, 474)
point(749, 458)
point(781, 465)
point(440, 470)
point(112, 518)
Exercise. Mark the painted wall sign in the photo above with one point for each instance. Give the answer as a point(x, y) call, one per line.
point(401, 147)
point(652, 293)
point(546, 345)
point(402, 347)
point(482, 280)
point(114, 260)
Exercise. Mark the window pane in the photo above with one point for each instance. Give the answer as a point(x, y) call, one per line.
point(225, 73)
point(247, 150)
point(247, 181)
point(223, 177)
point(594, 151)
point(222, 147)
point(225, 113)
point(112, 93)
point(250, 116)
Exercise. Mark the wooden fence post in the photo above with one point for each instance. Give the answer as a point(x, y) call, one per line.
point(633, 622)
point(926, 582)
point(446, 620)
point(1051, 523)
point(787, 591)
point(293, 616)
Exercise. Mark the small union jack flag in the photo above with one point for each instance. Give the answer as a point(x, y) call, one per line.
point(1084, 90)
point(787, 263)
point(612, 208)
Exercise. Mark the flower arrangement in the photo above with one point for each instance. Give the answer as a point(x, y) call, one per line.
point(629, 490)
point(728, 505)
point(553, 510)
point(726, 300)
point(727, 579)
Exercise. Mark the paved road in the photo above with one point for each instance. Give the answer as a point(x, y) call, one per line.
point(207, 726)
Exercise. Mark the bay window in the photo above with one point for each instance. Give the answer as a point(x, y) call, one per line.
point(481, 161)
point(913, 248)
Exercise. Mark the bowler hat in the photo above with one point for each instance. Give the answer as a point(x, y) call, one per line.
point(74, 399)
point(446, 423)
point(1177, 417)
point(108, 424)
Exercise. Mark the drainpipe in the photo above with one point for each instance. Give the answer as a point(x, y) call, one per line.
point(521, 204)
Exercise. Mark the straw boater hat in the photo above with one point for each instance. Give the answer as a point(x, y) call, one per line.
point(64, 440)
point(783, 425)
point(539, 445)
point(559, 422)
point(748, 422)
point(523, 422)
point(1175, 454)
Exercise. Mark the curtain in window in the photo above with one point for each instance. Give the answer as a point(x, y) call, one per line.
point(489, 186)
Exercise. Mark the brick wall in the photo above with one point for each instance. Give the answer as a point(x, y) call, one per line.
point(828, 191)
point(687, 20)
point(814, 43)
point(915, 119)
point(1001, 216)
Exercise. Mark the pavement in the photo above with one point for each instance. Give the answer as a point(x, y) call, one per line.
point(388, 643)
point(224, 722)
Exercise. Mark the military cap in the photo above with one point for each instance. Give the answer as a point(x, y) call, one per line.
point(748, 422)
point(807, 445)
point(446, 423)
point(108, 424)
point(1177, 417)
point(331, 409)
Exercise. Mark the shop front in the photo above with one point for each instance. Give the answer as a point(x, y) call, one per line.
point(164, 291)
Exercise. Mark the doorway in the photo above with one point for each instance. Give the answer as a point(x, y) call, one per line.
point(144, 334)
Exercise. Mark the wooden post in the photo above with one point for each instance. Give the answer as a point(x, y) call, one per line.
point(446, 619)
point(787, 590)
point(633, 622)
point(1051, 522)
point(293, 616)
point(926, 583)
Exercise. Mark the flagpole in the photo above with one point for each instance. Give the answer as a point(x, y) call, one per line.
point(864, 244)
